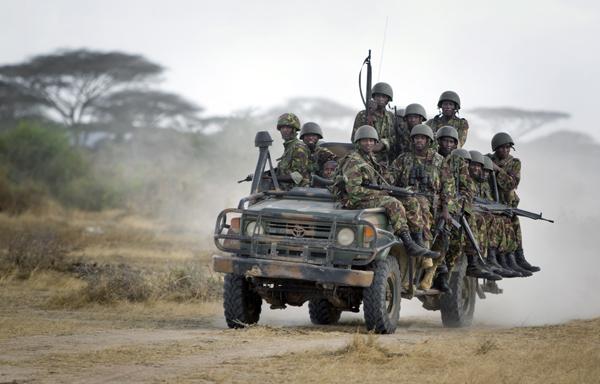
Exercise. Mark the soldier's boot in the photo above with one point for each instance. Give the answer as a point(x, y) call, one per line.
point(520, 259)
point(512, 263)
point(413, 249)
point(492, 287)
point(493, 264)
point(508, 271)
point(427, 279)
point(441, 280)
point(475, 269)
point(426, 262)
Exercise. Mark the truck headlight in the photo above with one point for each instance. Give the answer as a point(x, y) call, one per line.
point(345, 237)
point(251, 228)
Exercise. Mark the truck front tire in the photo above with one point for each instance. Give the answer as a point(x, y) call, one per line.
point(241, 304)
point(381, 301)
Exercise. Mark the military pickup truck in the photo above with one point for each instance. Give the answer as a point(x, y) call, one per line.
point(290, 247)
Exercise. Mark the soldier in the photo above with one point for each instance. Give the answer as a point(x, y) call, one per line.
point(508, 176)
point(383, 120)
point(466, 187)
point(413, 114)
point(310, 134)
point(329, 169)
point(292, 166)
point(447, 140)
point(495, 234)
point(449, 104)
point(421, 170)
point(360, 167)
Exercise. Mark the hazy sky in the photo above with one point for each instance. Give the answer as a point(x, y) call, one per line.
point(229, 55)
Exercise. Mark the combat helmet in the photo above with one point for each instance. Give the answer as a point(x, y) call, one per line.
point(447, 131)
point(500, 139)
point(422, 129)
point(477, 157)
point(449, 96)
point(488, 164)
point(311, 128)
point(461, 152)
point(415, 109)
point(384, 89)
point(290, 120)
point(365, 132)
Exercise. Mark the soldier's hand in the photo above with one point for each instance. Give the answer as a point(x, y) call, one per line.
point(372, 105)
point(496, 167)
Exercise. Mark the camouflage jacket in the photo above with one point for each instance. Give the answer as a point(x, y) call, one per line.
point(318, 158)
point(461, 125)
point(402, 142)
point(424, 174)
point(508, 179)
point(484, 190)
point(356, 169)
point(384, 124)
point(295, 158)
point(465, 187)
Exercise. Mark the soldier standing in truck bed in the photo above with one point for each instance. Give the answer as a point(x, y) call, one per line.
point(381, 119)
point(413, 114)
point(449, 105)
point(292, 166)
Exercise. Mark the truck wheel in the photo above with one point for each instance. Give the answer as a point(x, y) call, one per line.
point(241, 304)
point(458, 308)
point(322, 312)
point(381, 301)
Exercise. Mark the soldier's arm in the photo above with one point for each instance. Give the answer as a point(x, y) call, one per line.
point(508, 178)
point(447, 183)
point(462, 134)
point(354, 178)
point(299, 164)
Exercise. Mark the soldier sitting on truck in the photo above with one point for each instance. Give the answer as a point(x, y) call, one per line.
point(310, 134)
point(359, 167)
point(508, 176)
point(292, 166)
point(421, 170)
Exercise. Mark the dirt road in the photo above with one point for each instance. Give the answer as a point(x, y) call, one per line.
point(103, 350)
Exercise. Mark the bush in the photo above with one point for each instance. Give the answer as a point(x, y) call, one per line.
point(36, 160)
point(31, 251)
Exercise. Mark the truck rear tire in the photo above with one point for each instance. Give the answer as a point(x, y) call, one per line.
point(458, 307)
point(381, 301)
point(241, 304)
point(322, 312)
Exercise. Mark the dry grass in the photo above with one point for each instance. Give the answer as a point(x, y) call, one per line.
point(554, 354)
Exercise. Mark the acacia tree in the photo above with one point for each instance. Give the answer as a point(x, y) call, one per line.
point(85, 90)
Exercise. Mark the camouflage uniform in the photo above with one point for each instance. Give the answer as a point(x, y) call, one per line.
point(384, 125)
point(356, 169)
point(402, 142)
point(294, 159)
point(318, 158)
point(403, 170)
point(508, 179)
point(458, 170)
point(420, 209)
point(461, 125)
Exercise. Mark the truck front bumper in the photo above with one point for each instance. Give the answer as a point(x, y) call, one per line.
point(289, 270)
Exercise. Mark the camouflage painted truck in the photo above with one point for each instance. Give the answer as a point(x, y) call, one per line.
point(297, 246)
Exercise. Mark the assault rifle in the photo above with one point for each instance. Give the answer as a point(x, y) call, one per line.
point(318, 181)
point(395, 191)
point(484, 205)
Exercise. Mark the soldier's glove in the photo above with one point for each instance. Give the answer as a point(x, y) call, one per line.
point(296, 177)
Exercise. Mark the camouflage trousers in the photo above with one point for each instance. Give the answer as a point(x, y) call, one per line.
point(459, 242)
point(393, 209)
point(512, 234)
point(418, 215)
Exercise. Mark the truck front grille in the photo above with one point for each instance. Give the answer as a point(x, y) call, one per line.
point(299, 229)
